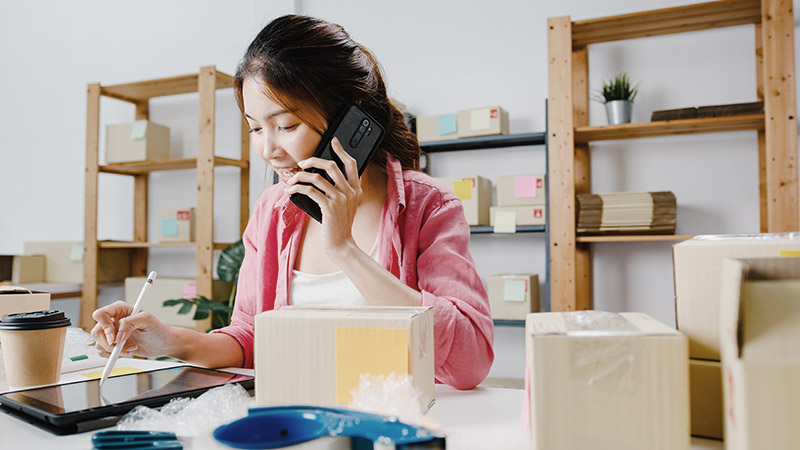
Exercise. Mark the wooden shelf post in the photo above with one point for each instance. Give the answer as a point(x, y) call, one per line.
point(89, 291)
point(204, 221)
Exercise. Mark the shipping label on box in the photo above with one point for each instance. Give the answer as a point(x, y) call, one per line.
point(475, 193)
point(513, 296)
point(437, 128)
point(63, 262)
point(14, 299)
point(136, 141)
point(315, 355)
point(176, 225)
point(604, 380)
point(522, 215)
point(486, 121)
point(705, 393)
point(521, 190)
point(697, 264)
point(760, 332)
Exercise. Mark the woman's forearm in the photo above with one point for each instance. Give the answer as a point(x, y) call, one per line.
point(208, 350)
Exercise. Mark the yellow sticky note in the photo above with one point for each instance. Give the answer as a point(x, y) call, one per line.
point(790, 253)
point(114, 372)
point(377, 351)
point(505, 221)
point(463, 189)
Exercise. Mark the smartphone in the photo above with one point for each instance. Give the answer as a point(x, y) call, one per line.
point(359, 134)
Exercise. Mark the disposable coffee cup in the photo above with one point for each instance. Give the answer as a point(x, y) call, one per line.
point(33, 345)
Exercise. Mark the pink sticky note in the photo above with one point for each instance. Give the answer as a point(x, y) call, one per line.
point(189, 291)
point(525, 187)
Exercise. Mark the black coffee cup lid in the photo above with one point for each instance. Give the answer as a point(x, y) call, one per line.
point(34, 320)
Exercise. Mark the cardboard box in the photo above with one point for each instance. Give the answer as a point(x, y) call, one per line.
point(705, 393)
point(760, 343)
point(607, 381)
point(171, 288)
point(22, 269)
point(313, 356)
point(63, 262)
point(513, 296)
point(486, 121)
point(437, 128)
point(697, 264)
point(476, 195)
point(523, 215)
point(521, 190)
point(176, 225)
point(15, 299)
point(136, 141)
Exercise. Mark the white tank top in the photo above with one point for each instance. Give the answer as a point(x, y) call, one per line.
point(326, 289)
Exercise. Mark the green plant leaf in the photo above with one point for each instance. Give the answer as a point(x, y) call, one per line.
point(230, 261)
point(173, 302)
point(620, 88)
point(186, 308)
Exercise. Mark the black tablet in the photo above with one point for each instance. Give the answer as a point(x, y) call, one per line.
point(69, 404)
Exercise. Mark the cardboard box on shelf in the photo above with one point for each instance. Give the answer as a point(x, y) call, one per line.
point(165, 288)
point(475, 193)
point(63, 262)
point(705, 394)
point(760, 321)
point(524, 215)
point(22, 269)
point(176, 225)
point(486, 121)
point(521, 190)
point(513, 296)
point(697, 264)
point(603, 380)
point(15, 299)
point(314, 356)
point(141, 140)
point(437, 128)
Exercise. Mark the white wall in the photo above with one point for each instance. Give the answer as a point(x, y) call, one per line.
point(439, 57)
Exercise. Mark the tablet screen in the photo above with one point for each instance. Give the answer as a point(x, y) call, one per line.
point(126, 389)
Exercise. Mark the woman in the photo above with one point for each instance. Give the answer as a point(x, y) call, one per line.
point(392, 237)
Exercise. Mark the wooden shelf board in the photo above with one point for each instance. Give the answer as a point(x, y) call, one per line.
point(128, 244)
point(141, 167)
point(658, 22)
point(669, 127)
point(635, 238)
point(141, 91)
point(486, 229)
point(484, 142)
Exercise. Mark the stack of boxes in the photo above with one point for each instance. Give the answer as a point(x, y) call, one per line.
point(486, 121)
point(521, 200)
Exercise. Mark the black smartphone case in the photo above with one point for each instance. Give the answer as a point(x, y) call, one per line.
point(359, 134)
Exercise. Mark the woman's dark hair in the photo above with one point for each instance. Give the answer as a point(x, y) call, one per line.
point(306, 62)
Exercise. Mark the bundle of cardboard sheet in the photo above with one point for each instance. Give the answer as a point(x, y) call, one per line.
point(627, 213)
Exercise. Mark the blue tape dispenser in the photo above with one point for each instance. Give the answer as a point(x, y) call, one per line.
point(283, 426)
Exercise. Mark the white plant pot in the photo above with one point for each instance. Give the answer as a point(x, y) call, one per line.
point(618, 111)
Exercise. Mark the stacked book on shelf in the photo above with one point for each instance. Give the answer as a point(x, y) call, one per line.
point(627, 213)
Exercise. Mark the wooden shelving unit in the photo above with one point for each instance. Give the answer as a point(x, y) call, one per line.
point(205, 83)
point(570, 134)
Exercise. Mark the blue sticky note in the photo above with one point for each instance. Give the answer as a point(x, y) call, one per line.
point(447, 124)
point(514, 290)
point(169, 227)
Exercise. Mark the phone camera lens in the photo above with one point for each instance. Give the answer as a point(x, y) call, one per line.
point(362, 128)
point(365, 123)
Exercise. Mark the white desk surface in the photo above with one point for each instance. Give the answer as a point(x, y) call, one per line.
point(483, 418)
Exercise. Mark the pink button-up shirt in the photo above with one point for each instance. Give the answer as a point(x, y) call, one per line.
point(423, 240)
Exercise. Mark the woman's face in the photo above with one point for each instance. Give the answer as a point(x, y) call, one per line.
point(281, 137)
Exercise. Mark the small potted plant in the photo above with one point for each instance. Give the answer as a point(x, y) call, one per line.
point(618, 95)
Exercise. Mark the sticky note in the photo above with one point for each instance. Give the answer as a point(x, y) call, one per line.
point(447, 124)
point(480, 119)
point(790, 253)
point(76, 253)
point(189, 291)
point(463, 189)
point(377, 351)
point(514, 290)
point(525, 187)
point(169, 227)
point(139, 129)
point(114, 372)
point(78, 358)
point(505, 221)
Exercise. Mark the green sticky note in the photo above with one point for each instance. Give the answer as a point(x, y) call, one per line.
point(447, 124)
point(139, 130)
point(514, 290)
point(169, 227)
point(505, 221)
point(78, 358)
point(76, 253)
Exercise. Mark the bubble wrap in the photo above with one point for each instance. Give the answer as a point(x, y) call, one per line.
point(394, 395)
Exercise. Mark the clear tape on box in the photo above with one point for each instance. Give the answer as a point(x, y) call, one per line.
point(749, 237)
point(605, 364)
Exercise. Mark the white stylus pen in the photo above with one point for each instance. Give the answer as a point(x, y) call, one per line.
point(112, 360)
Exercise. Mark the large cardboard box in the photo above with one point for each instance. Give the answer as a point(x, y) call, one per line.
point(15, 299)
point(521, 190)
point(22, 269)
point(437, 128)
point(171, 288)
point(607, 381)
point(705, 392)
point(523, 215)
point(760, 339)
point(176, 225)
point(475, 193)
point(486, 121)
point(513, 296)
point(314, 356)
point(64, 262)
point(697, 264)
point(136, 141)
